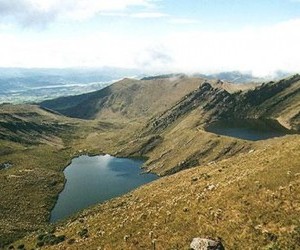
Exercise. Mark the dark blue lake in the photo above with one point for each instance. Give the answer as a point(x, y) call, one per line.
point(95, 179)
point(249, 129)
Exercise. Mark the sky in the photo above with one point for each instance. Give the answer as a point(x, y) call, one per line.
point(203, 36)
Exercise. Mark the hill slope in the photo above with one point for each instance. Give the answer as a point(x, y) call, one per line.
point(173, 113)
point(251, 201)
point(274, 100)
point(27, 124)
point(177, 138)
point(129, 98)
point(133, 118)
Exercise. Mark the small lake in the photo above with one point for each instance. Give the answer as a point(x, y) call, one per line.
point(95, 179)
point(248, 129)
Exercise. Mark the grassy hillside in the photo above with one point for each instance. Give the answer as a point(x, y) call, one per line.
point(162, 119)
point(274, 100)
point(278, 100)
point(251, 201)
point(127, 99)
point(32, 144)
point(27, 124)
point(175, 139)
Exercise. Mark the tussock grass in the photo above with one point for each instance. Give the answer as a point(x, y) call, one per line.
point(251, 201)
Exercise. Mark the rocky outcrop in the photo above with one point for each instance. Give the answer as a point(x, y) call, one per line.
point(142, 99)
point(214, 101)
point(267, 101)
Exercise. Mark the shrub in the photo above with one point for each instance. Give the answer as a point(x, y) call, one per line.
point(40, 244)
point(71, 241)
point(83, 233)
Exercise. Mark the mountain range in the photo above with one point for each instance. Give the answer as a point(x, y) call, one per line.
point(245, 192)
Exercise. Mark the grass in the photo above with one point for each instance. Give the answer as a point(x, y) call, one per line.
point(30, 187)
point(251, 201)
point(246, 193)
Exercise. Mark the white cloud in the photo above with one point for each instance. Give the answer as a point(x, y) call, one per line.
point(41, 12)
point(261, 50)
point(183, 21)
point(83, 10)
point(153, 58)
point(149, 15)
point(140, 15)
point(97, 49)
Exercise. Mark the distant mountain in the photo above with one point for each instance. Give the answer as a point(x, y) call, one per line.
point(235, 76)
point(239, 77)
point(19, 85)
point(147, 78)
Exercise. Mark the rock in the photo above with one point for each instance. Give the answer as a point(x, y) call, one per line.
point(194, 179)
point(126, 237)
point(206, 244)
point(211, 187)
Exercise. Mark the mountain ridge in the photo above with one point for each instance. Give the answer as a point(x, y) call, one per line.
point(120, 123)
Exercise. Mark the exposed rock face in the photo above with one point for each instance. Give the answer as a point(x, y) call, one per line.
point(131, 98)
point(212, 100)
point(267, 101)
point(206, 244)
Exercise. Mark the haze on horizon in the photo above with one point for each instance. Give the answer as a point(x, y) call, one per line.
point(259, 36)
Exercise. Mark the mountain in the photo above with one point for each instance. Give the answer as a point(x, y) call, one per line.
point(234, 76)
point(251, 201)
point(38, 77)
point(163, 120)
point(35, 84)
point(130, 98)
point(126, 99)
point(274, 100)
point(239, 77)
point(18, 124)
point(187, 119)
point(184, 116)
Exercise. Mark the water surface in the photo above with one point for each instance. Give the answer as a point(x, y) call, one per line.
point(91, 180)
point(248, 129)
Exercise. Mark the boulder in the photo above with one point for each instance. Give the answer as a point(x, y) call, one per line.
point(206, 244)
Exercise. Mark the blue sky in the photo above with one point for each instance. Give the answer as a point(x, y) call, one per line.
point(152, 35)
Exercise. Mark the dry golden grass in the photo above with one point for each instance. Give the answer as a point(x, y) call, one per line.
point(251, 201)
point(249, 198)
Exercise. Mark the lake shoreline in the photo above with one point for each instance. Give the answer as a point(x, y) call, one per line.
point(249, 129)
point(138, 168)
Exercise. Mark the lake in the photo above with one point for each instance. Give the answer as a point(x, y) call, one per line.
point(95, 179)
point(248, 129)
